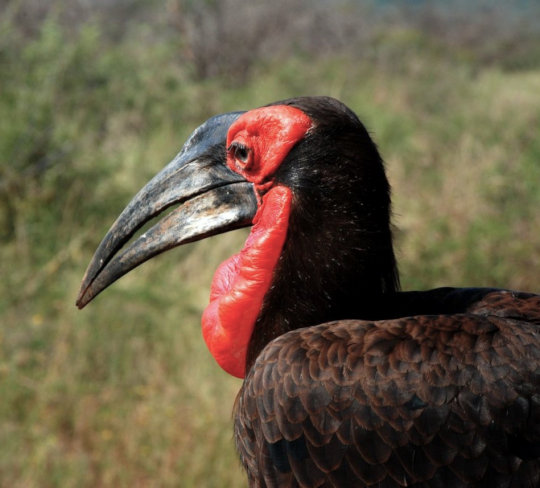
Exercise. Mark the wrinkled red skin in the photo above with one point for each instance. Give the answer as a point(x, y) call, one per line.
point(269, 133)
point(241, 282)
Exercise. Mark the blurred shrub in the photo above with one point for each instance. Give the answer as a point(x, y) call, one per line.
point(64, 95)
point(229, 37)
point(35, 145)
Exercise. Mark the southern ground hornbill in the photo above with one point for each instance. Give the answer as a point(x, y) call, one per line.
point(348, 382)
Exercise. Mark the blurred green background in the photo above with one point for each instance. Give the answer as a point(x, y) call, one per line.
point(95, 97)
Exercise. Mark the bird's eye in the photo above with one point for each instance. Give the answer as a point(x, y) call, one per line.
point(239, 151)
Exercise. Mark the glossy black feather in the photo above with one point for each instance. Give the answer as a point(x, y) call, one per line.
point(369, 421)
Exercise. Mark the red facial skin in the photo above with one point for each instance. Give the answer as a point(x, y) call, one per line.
point(268, 134)
point(257, 144)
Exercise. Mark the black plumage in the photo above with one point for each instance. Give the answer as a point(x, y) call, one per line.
point(425, 400)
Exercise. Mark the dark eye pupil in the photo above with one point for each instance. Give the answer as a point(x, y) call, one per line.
point(240, 151)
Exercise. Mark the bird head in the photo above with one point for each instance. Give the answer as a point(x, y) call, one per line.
point(307, 177)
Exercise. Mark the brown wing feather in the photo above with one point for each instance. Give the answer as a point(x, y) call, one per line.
point(448, 400)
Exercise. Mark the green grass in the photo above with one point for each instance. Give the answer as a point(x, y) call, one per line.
point(124, 393)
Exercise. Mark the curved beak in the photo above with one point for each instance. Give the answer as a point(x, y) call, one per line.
point(212, 199)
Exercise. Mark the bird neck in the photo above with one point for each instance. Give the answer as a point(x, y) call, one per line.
point(332, 267)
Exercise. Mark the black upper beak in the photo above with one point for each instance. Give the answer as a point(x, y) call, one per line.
point(213, 199)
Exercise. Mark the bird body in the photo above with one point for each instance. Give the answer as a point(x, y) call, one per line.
point(425, 400)
point(348, 382)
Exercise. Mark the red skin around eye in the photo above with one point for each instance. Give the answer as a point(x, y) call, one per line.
point(269, 133)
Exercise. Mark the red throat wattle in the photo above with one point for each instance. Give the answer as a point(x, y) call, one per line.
point(257, 144)
point(240, 283)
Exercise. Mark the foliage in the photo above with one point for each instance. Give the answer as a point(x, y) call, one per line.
point(124, 393)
